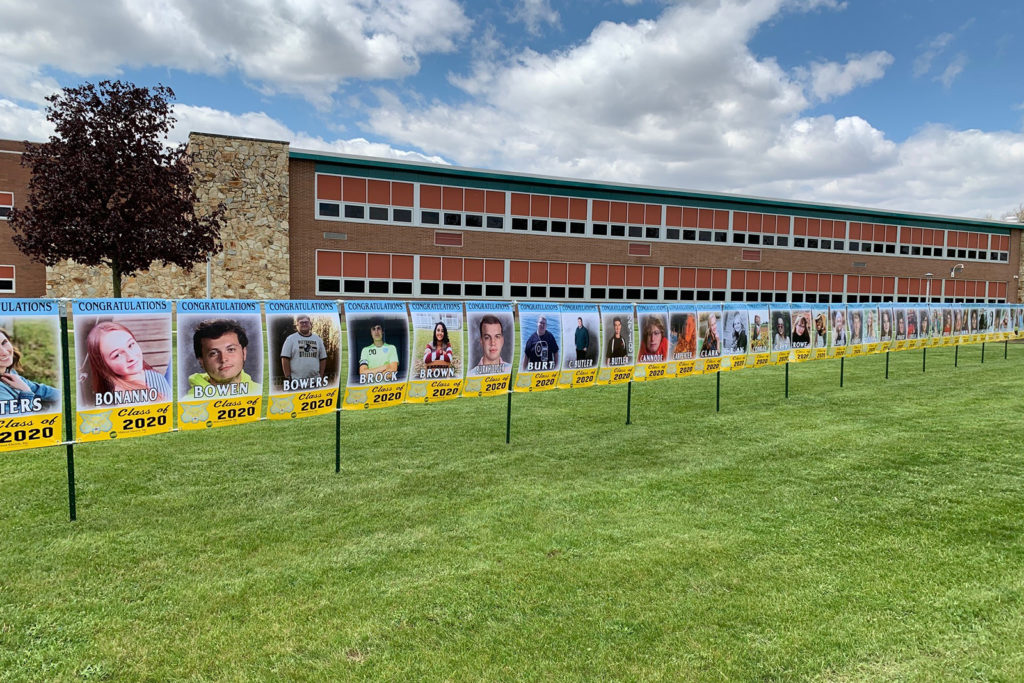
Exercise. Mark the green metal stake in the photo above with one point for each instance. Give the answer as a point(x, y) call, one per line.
point(718, 390)
point(1006, 345)
point(982, 352)
point(787, 380)
point(887, 365)
point(924, 358)
point(629, 399)
point(337, 438)
point(69, 428)
point(508, 418)
point(956, 355)
point(842, 369)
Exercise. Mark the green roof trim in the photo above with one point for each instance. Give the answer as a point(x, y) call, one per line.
point(365, 167)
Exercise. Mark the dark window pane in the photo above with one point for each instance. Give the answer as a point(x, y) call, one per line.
point(916, 251)
point(577, 228)
point(495, 222)
point(971, 253)
point(519, 224)
point(826, 244)
point(651, 294)
point(689, 234)
point(926, 251)
point(7, 285)
point(597, 292)
point(401, 287)
point(890, 249)
point(636, 231)
point(330, 210)
point(736, 296)
point(837, 245)
point(474, 290)
point(518, 290)
point(652, 233)
point(798, 242)
point(633, 293)
point(904, 250)
point(453, 219)
point(854, 246)
point(751, 296)
point(556, 292)
point(769, 240)
point(538, 291)
point(430, 217)
point(812, 243)
point(618, 231)
point(355, 286)
point(430, 288)
point(539, 225)
point(328, 285)
point(877, 248)
point(353, 211)
point(721, 236)
point(812, 298)
point(686, 295)
point(781, 240)
point(718, 295)
point(600, 229)
point(703, 295)
point(615, 292)
point(452, 289)
point(672, 233)
point(671, 295)
point(401, 215)
point(576, 292)
point(704, 236)
point(558, 226)
point(378, 287)
point(739, 238)
point(378, 213)
point(494, 290)
point(753, 238)
point(474, 220)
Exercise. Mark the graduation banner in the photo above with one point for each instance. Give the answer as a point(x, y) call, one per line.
point(735, 343)
point(30, 374)
point(709, 338)
point(378, 354)
point(220, 363)
point(781, 330)
point(682, 322)
point(901, 337)
point(886, 327)
point(839, 332)
point(819, 332)
point(304, 343)
point(581, 345)
point(652, 351)
point(437, 351)
point(801, 338)
point(616, 343)
point(539, 331)
point(855, 321)
point(760, 335)
point(870, 329)
point(491, 328)
point(124, 367)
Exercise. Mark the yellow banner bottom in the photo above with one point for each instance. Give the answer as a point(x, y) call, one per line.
point(219, 412)
point(537, 381)
point(575, 379)
point(123, 422)
point(434, 390)
point(30, 431)
point(374, 396)
point(297, 404)
point(486, 385)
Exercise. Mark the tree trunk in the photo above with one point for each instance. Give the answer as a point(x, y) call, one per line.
point(115, 272)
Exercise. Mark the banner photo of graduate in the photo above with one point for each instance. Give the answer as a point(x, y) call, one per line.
point(220, 363)
point(491, 328)
point(760, 335)
point(378, 354)
point(304, 343)
point(652, 354)
point(616, 343)
point(735, 343)
point(801, 338)
point(437, 351)
point(124, 367)
point(709, 338)
point(781, 329)
point(839, 337)
point(870, 328)
point(900, 336)
point(682, 341)
point(886, 328)
point(539, 331)
point(581, 345)
point(935, 324)
point(31, 374)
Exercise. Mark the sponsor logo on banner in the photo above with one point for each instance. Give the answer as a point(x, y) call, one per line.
point(124, 367)
point(438, 352)
point(379, 352)
point(30, 401)
point(220, 363)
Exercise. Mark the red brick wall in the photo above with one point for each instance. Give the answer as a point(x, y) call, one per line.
point(30, 278)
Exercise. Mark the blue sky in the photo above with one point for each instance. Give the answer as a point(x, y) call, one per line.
point(914, 105)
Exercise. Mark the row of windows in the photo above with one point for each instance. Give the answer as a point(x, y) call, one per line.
point(346, 198)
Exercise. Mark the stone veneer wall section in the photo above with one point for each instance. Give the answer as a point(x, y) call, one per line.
point(251, 178)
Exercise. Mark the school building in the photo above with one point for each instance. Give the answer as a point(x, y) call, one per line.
point(313, 224)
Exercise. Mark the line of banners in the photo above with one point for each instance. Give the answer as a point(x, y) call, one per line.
point(127, 380)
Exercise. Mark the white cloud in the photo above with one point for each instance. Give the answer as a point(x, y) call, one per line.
point(296, 47)
point(23, 123)
point(830, 79)
point(952, 70)
point(534, 14)
point(681, 101)
point(938, 44)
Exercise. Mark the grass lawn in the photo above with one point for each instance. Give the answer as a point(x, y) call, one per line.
point(870, 532)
